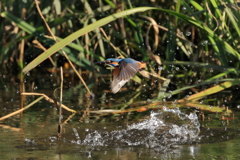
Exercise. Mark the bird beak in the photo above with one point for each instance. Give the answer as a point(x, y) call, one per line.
point(100, 62)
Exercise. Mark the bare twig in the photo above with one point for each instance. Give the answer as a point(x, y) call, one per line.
point(150, 52)
point(49, 100)
point(39, 45)
point(156, 32)
point(115, 48)
point(10, 128)
point(22, 43)
point(69, 118)
point(22, 109)
point(147, 75)
point(154, 24)
point(60, 105)
point(213, 17)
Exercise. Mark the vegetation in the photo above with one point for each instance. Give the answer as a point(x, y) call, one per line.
point(196, 44)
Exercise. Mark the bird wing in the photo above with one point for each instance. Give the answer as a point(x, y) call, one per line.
point(117, 84)
point(127, 70)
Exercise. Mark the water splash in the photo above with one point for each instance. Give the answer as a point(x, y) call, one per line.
point(161, 131)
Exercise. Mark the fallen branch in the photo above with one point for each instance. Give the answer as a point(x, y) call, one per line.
point(49, 100)
point(36, 94)
point(21, 110)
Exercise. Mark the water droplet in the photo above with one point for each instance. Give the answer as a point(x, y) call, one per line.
point(175, 101)
point(184, 8)
point(205, 42)
point(188, 33)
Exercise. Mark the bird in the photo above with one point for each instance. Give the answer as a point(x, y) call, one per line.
point(124, 69)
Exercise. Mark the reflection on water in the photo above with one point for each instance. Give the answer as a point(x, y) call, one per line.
point(164, 134)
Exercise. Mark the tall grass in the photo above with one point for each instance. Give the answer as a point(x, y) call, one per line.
point(191, 36)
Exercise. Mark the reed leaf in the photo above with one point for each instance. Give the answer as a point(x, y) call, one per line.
point(110, 18)
point(213, 90)
point(201, 84)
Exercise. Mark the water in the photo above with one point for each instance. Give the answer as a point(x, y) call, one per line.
point(155, 132)
point(163, 133)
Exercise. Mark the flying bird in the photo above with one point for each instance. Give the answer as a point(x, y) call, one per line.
point(123, 70)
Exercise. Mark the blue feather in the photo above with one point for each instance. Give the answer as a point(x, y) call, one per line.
point(114, 59)
point(129, 60)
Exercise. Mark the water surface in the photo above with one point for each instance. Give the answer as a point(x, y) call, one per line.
point(152, 134)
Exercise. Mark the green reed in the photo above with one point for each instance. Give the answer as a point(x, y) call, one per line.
point(190, 33)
